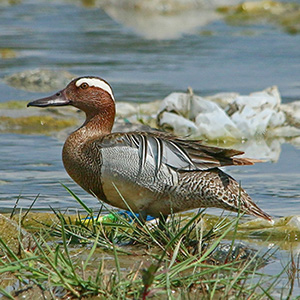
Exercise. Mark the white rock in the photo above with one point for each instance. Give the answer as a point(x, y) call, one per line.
point(292, 111)
point(284, 131)
point(223, 99)
point(295, 141)
point(216, 125)
point(258, 111)
point(201, 106)
point(149, 108)
point(180, 125)
point(278, 118)
point(248, 121)
point(178, 102)
point(210, 120)
point(188, 105)
point(257, 114)
point(125, 109)
point(294, 222)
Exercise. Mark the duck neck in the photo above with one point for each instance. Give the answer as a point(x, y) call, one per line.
point(96, 125)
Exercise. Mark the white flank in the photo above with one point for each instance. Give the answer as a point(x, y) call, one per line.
point(96, 82)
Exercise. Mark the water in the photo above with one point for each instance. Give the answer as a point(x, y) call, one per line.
point(31, 165)
point(241, 59)
point(87, 41)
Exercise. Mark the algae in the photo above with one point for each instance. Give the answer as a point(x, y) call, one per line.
point(283, 230)
point(13, 105)
point(286, 15)
point(6, 53)
point(34, 124)
point(34, 221)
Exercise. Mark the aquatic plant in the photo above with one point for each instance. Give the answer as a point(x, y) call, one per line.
point(125, 259)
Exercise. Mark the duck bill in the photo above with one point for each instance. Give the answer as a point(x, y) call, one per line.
point(58, 99)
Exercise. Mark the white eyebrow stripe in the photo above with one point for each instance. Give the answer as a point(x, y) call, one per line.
point(96, 82)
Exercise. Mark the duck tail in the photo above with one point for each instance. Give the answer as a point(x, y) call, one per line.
point(251, 208)
point(245, 161)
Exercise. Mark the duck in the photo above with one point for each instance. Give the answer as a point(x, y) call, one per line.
point(155, 173)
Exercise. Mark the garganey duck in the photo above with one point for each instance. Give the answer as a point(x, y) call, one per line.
point(155, 172)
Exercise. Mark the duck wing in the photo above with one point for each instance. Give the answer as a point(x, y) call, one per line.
point(177, 153)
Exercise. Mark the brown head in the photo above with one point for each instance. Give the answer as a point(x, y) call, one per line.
point(90, 94)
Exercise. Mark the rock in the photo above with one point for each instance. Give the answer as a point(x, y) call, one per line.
point(295, 141)
point(39, 80)
point(294, 222)
point(180, 125)
point(258, 111)
point(292, 112)
point(223, 99)
point(189, 105)
point(242, 117)
point(15, 237)
point(125, 109)
point(126, 127)
point(150, 108)
point(216, 125)
point(284, 131)
point(179, 103)
point(198, 117)
point(226, 253)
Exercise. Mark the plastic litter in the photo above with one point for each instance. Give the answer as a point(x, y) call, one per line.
point(112, 218)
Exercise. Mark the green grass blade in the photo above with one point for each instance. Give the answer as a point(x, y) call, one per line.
point(82, 204)
point(6, 294)
point(91, 252)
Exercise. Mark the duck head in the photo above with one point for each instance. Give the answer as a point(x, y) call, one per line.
point(93, 95)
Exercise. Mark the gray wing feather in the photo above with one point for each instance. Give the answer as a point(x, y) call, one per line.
point(142, 151)
point(176, 153)
point(156, 146)
point(162, 151)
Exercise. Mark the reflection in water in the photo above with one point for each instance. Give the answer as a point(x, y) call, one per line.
point(163, 19)
point(158, 26)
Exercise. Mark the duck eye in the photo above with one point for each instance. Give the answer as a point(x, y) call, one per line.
point(84, 85)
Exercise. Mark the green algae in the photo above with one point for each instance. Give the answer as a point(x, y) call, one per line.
point(284, 229)
point(34, 124)
point(34, 221)
point(13, 104)
point(286, 15)
point(6, 53)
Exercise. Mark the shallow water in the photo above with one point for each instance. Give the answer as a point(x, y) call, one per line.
point(232, 58)
point(211, 58)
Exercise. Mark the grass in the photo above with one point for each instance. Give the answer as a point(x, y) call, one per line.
point(126, 260)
